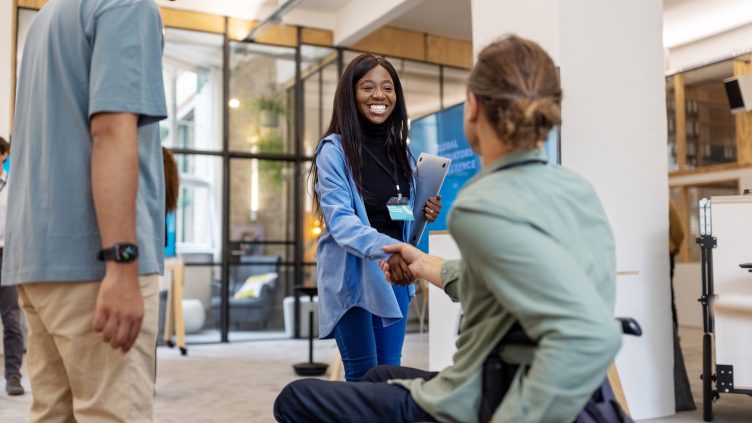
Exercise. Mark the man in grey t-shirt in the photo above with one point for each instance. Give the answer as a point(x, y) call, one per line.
point(85, 223)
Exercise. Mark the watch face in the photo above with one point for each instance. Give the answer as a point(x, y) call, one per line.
point(127, 253)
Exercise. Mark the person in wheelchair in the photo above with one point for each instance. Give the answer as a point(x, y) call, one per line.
point(537, 253)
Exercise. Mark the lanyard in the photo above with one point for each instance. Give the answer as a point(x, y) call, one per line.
point(392, 174)
point(522, 163)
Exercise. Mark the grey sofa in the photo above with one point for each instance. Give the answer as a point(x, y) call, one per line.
point(252, 312)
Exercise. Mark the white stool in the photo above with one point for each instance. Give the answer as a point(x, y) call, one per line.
point(193, 315)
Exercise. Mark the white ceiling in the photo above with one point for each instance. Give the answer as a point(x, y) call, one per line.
point(685, 21)
point(327, 6)
point(243, 9)
point(448, 18)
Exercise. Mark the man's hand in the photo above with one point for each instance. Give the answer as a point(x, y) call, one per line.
point(398, 271)
point(120, 306)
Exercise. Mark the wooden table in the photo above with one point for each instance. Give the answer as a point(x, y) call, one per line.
point(174, 322)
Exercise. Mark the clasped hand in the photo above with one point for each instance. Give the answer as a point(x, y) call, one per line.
point(402, 267)
point(397, 270)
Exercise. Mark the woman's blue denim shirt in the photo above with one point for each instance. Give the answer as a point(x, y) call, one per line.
point(349, 249)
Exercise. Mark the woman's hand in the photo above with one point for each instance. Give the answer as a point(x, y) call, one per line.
point(432, 208)
point(420, 264)
point(397, 270)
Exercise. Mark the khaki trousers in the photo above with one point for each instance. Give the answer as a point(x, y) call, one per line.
point(75, 376)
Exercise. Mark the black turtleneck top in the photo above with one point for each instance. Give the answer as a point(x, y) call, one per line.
point(378, 185)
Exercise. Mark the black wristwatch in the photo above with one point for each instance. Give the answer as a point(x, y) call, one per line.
point(121, 253)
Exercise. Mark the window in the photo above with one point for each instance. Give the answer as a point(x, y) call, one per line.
point(192, 67)
point(455, 86)
point(320, 76)
point(262, 82)
point(708, 123)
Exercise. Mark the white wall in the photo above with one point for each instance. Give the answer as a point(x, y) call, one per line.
point(613, 133)
point(6, 54)
point(443, 314)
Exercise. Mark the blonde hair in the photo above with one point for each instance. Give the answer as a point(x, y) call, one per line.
point(517, 84)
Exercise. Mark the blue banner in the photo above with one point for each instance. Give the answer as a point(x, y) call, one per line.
point(442, 133)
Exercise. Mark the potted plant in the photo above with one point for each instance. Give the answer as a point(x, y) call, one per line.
point(271, 107)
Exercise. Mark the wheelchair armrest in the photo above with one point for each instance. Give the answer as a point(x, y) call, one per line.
point(629, 326)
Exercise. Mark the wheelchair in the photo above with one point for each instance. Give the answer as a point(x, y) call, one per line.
point(498, 376)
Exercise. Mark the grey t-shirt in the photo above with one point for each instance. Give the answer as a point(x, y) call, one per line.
point(82, 57)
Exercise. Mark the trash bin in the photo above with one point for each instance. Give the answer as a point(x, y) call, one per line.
point(288, 307)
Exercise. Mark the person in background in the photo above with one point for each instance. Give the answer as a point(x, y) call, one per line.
point(364, 186)
point(537, 250)
point(85, 225)
point(675, 241)
point(172, 180)
point(172, 184)
point(13, 340)
point(683, 399)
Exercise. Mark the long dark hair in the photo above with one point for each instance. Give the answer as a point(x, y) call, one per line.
point(346, 122)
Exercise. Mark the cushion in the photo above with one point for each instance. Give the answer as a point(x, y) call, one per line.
point(253, 284)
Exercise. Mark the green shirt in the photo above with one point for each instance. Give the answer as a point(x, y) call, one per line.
point(536, 248)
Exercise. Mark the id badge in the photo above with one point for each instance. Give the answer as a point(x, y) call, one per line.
point(399, 208)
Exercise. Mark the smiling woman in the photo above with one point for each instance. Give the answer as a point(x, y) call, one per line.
point(363, 173)
point(375, 95)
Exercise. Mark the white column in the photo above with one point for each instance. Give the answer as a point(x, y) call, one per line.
point(6, 48)
point(614, 133)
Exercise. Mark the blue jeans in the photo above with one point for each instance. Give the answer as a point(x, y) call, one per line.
point(364, 342)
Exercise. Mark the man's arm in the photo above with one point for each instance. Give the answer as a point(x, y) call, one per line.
point(114, 180)
point(444, 274)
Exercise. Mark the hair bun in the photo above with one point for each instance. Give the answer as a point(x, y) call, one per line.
point(519, 87)
point(526, 121)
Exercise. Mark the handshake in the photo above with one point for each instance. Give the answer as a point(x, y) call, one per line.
point(407, 263)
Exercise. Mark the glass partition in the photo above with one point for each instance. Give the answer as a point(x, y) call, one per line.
point(710, 126)
point(193, 71)
point(262, 80)
point(320, 76)
point(199, 212)
point(262, 242)
point(454, 86)
point(421, 84)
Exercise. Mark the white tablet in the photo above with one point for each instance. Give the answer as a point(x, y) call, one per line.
point(429, 175)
